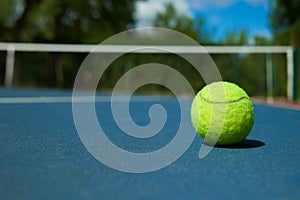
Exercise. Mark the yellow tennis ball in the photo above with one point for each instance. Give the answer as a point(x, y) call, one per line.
point(222, 113)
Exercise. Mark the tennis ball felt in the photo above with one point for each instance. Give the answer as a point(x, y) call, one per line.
point(222, 113)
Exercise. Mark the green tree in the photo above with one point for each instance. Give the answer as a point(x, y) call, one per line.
point(235, 37)
point(261, 40)
point(285, 21)
point(65, 20)
point(172, 19)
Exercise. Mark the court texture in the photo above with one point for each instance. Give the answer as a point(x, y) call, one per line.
point(42, 156)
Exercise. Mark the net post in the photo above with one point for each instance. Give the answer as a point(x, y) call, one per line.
point(290, 73)
point(9, 68)
point(295, 69)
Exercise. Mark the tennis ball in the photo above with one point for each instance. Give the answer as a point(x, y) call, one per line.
point(222, 113)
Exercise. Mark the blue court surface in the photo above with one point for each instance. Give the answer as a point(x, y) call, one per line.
point(42, 156)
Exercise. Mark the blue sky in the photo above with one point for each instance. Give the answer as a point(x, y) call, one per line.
point(221, 15)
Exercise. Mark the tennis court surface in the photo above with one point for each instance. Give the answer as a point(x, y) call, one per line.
point(42, 156)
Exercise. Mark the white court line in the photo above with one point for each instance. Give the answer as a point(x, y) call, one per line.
point(68, 99)
point(277, 106)
point(99, 99)
point(24, 100)
point(65, 99)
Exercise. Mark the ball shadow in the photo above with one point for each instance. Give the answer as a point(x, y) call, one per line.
point(245, 144)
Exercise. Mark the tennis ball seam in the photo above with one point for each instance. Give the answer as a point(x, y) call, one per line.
point(221, 102)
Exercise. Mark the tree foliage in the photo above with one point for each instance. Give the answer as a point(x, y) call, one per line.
point(67, 21)
point(284, 13)
point(235, 37)
point(285, 21)
point(172, 19)
point(92, 21)
point(63, 21)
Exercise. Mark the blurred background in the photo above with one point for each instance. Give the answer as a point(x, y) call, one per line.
point(210, 22)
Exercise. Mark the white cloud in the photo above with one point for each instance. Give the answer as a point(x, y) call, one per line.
point(257, 2)
point(262, 32)
point(204, 4)
point(146, 10)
